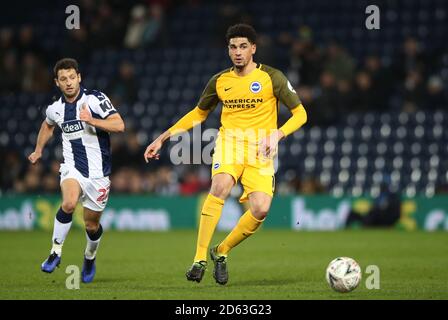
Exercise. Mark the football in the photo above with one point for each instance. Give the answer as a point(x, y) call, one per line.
point(343, 274)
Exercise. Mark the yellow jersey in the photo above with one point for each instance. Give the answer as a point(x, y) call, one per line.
point(249, 103)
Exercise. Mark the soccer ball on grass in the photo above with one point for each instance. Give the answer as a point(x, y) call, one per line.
point(343, 274)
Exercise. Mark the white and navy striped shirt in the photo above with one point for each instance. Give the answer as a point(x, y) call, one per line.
point(84, 147)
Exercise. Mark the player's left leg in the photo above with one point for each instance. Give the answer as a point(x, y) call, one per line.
point(248, 224)
point(94, 200)
point(94, 231)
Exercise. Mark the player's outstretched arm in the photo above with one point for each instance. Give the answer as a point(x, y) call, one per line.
point(45, 133)
point(113, 123)
point(152, 151)
point(191, 119)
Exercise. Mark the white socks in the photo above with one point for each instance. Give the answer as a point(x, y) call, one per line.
point(62, 224)
point(93, 241)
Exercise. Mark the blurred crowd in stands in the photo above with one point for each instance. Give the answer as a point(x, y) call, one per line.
point(26, 66)
point(130, 174)
point(333, 82)
point(327, 78)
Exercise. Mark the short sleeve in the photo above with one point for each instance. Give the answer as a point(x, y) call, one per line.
point(100, 105)
point(283, 89)
point(50, 116)
point(209, 98)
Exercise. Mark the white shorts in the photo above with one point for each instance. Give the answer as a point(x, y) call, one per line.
point(95, 191)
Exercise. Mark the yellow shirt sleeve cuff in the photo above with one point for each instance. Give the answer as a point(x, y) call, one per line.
point(298, 119)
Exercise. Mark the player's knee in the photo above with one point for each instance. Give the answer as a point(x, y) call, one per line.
point(221, 190)
point(260, 213)
point(260, 208)
point(69, 206)
point(92, 226)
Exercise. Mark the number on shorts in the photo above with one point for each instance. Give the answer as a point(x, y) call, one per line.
point(104, 194)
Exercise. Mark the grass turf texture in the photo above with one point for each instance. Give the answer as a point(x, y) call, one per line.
point(273, 264)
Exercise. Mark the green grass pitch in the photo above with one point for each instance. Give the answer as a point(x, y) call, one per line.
point(273, 264)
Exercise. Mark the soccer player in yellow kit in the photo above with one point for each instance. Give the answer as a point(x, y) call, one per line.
point(245, 147)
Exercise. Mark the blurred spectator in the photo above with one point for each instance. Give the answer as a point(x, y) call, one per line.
point(155, 29)
point(123, 89)
point(436, 98)
point(385, 211)
point(119, 181)
point(107, 28)
point(410, 58)
point(6, 44)
point(27, 44)
point(306, 95)
point(306, 59)
point(32, 180)
point(135, 183)
point(346, 98)
point(325, 102)
point(366, 99)
point(310, 185)
point(414, 88)
point(10, 80)
point(35, 77)
point(192, 183)
point(145, 26)
point(149, 181)
point(10, 169)
point(339, 63)
point(166, 181)
point(50, 183)
point(381, 78)
point(136, 27)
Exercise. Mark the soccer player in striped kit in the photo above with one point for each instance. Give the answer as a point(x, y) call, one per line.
point(85, 117)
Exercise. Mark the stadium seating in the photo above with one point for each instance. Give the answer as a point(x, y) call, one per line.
point(353, 156)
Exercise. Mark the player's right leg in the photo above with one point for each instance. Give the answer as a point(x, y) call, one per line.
point(258, 185)
point(222, 184)
point(71, 191)
point(94, 231)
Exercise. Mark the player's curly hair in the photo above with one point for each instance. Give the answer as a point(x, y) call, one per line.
point(65, 63)
point(242, 30)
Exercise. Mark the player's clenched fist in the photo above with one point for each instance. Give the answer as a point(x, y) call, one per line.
point(85, 115)
point(34, 157)
point(152, 150)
